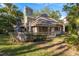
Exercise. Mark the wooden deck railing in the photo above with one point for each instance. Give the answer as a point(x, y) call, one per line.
point(42, 33)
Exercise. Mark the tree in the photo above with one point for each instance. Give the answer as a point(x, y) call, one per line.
point(8, 16)
point(51, 13)
point(73, 20)
point(72, 16)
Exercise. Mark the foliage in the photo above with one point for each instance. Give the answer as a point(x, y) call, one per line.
point(72, 15)
point(72, 39)
point(51, 13)
point(40, 38)
point(8, 17)
point(72, 11)
point(6, 21)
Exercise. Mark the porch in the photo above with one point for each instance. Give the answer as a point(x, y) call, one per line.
point(47, 30)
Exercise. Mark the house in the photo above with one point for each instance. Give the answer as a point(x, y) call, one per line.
point(38, 25)
point(42, 24)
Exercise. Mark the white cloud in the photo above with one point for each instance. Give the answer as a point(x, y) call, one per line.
point(46, 4)
point(2, 5)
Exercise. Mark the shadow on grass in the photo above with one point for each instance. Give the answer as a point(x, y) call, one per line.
point(62, 46)
point(4, 39)
point(12, 51)
point(25, 49)
point(46, 47)
point(58, 54)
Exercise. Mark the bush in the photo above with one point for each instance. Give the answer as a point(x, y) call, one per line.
point(40, 37)
point(72, 39)
point(29, 37)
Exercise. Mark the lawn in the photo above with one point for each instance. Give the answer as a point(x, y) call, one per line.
point(47, 48)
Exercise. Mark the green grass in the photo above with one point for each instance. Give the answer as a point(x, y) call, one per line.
point(25, 49)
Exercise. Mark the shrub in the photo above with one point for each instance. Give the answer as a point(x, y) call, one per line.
point(29, 37)
point(40, 37)
point(72, 39)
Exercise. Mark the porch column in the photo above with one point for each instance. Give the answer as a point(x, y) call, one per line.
point(63, 28)
point(35, 30)
point(60, 28)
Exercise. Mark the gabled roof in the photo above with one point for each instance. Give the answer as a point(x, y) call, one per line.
point(44, 21)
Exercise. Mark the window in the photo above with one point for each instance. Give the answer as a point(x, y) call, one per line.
point(56, 28)
point(43, 29)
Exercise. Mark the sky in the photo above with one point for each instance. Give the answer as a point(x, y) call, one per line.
point(38, 6)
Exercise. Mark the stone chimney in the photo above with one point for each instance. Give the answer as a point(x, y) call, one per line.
point(27, 13)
